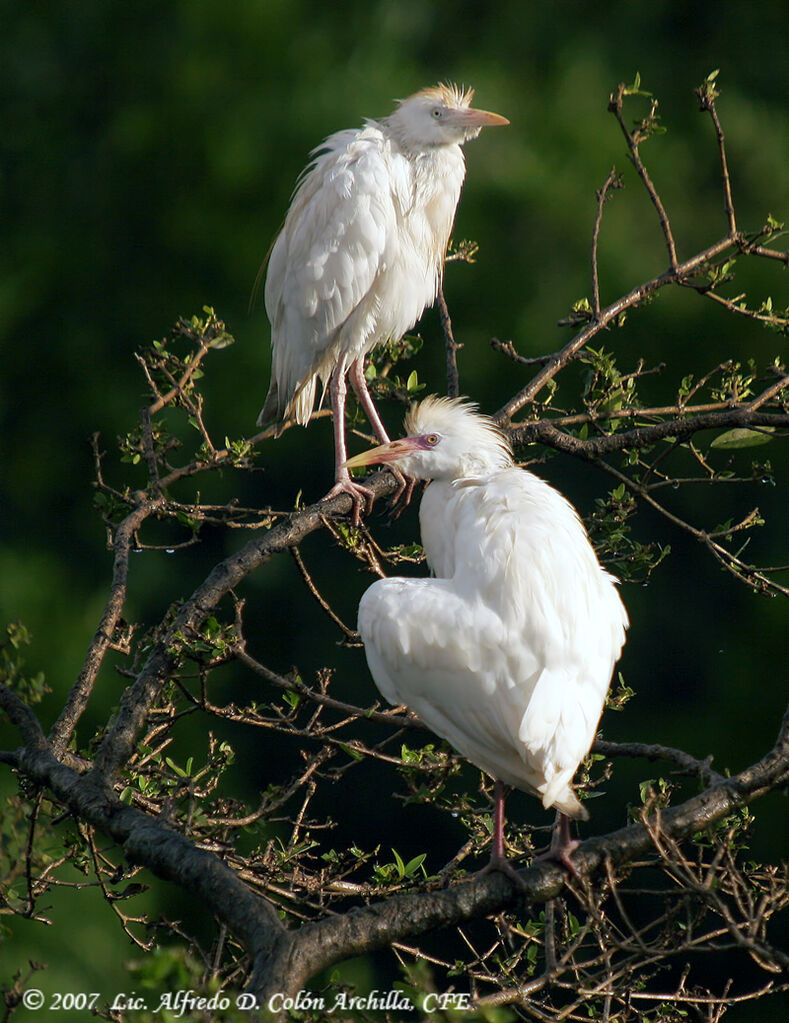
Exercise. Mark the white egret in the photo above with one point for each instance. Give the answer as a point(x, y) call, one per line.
point(361, 254)
point(508, 652)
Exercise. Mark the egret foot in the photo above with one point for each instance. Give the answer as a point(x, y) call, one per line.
point(562, 846)
point(503, 865)
point(361, 496)
point(401, 498)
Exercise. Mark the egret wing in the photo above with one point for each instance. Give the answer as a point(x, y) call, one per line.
point(325, 262)
point(449, 659)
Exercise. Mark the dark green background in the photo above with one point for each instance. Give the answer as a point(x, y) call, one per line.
point(148, 155)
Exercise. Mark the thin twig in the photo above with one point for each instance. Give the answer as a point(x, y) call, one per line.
point(633, 298)
point(63, 728)
point(508, 348)
point(602, 197)
point(652, 751)
point(451, 345)
point(305, 575)
point(632, 139)
point(706, 95)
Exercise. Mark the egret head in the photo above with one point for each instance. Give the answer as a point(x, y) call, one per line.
point(440, 116)
point(446, 439)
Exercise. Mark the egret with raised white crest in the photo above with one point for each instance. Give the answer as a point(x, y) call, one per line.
point(361, 255)
point(508, 651)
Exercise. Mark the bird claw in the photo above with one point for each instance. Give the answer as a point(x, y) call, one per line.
point(401, 498)
point(561, 848)
point(561, 855)
point(503, 866)
point(361, 496)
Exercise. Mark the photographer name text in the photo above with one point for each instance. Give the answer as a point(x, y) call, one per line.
point(182, 1003)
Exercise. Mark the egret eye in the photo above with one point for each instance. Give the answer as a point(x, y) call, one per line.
point(432, 439)
point(437, 113)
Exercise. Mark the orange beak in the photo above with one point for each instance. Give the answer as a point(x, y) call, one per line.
point(386, 453)
point(481, 118)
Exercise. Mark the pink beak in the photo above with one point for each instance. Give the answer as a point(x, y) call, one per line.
point(386, 452)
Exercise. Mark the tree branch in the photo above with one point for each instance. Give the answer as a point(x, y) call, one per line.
point(317, 946)
point(451, 345)
point(607, 315)
point(62, 730)
point(591, 448)
point(633, 139)
point(118, 743)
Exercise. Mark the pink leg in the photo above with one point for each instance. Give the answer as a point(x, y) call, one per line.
point(359, 384)
point(498, 857)
point(405, 485)
point(361, 496)
point(497, 851)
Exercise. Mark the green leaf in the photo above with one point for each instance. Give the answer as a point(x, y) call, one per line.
point(354, 754)
point(413, 865)
point(291, 698)
point(399, 862)
point(174, 767)
point(742, 437)
point(644, 787)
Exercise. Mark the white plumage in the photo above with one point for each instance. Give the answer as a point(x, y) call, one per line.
point(508, 651)
point(361, 252)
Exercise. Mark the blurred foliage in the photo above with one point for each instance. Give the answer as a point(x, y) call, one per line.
point(148, 155)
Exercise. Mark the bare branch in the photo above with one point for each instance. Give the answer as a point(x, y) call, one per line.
point(707, 95)
point(633, 139)
point(63, 728)
point(451, 345)
point(633, 298)
point(612, 181)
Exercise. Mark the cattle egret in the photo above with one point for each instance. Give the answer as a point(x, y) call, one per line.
point(508, 652)
point(361, 254)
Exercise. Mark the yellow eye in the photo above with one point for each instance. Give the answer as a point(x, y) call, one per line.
point(432, 439)
point(437, 112)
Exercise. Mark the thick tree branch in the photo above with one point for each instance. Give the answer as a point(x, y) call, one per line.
point(317, 946)
point(151, 843)
point(545, 432)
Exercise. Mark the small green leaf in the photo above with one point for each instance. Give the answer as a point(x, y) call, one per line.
point(174, 767)
point(399, 863)
point(742, 437)
point(413, 865)
point(291, 698)
point(354, 754)
point(644, 788)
